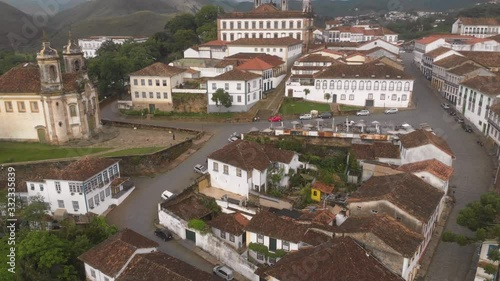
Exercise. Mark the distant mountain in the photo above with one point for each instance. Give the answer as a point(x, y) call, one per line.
point(33, 6)
point(11, 28)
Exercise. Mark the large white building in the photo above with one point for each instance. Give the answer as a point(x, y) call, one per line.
point(494, 123)
point(90, 185)
point(358, 34)
point(91, 44)
point(245, 89)
point(371, 84)
point(477, 27)
point(216, 49)
point(287, 48)
point(151, 87)
point(267, 21)
point(41, 103)
point(271, 68)
point(243, 166)
point(475, 97)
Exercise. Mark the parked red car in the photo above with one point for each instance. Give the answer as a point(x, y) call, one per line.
point(275, 118)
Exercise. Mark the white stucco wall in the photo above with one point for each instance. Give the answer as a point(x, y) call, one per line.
point(230, 182)
point(425, 152)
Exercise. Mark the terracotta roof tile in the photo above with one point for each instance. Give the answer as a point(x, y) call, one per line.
point(266, 11)
point(487, 59)
point(269, 224)
point(341, 259)
point(230, 223)
point(390, 231)
point(236, 75)
point(159, 266)
point(375, 151)
point(323, 217)
point(316, 58)
point(495, 108)
point(464, 69)
point(255, 64)
point(451, 61)
point(423, 137)
point(158, 69)
point(432, 166)
point(406, 191)
point(111, 255)
point(333, 22)
point(250, 155)
point(437, 52)
point(489, 85)
point(315, 238)
point(480, 21)
point(283, 41)
point(215, 43)
point(432, 38)
point(368, 70)
point(323, 187)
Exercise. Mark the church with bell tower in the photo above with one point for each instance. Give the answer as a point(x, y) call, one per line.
point(268, 20)
point(46, 103)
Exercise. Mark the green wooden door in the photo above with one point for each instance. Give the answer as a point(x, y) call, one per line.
point(272, 244)
point(190, 235)
point(41, 135)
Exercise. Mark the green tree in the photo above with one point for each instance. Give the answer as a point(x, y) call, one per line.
point(207, 14)
point(10, 59)
point(207, 32)
point(306, 92)
point(221, 97)
point(184, 39)
point(181, 22)
point(34, 214)
point(481, 217)
point(328, 97)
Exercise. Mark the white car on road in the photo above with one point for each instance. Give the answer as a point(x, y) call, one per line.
point(167, 195)
point(391, 111)
point(363, 112)
point(305, 116)
point(200, 169)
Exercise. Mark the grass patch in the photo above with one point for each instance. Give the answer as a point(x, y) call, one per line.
point(291, 106)
point(133, 151)
point(21, 151)
point(344, 107)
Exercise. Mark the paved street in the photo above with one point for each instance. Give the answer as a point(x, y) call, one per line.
point(472, 177)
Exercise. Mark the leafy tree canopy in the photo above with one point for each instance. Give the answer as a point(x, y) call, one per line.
point(221, 97)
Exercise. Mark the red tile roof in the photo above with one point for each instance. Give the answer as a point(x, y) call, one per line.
point(255, 64)
point(496, 109)
point(272, 225)
point(407, 191)
point(159, 266)
point(372, 70)
point(341, 259)
point(324, 217)
point(422, 137)
point(487, 59)
point(323, 187)
point(432, 166)
point(464, 69)
point(283, 41)
point(489, 85)
point(451, 61)
point(391, 232)
point(110, 256)
point(248, 155)
point(480, 21)
point(230, 223)
point(236, 75)
point(437, 52)
point(215, 43)
point(432, 38)
point(158, 69)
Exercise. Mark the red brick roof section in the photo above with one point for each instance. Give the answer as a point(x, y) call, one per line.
point(323, 187)
point(250, 155)
point(269, 224)
point(489, 85)
point(432, 166)
point(368, 70)
point(21, 79)
point(111, 255)
point(422, 137)
point(230, 223)
point(159, 266)
point(480, 21)
point(391, 232)
point(437, 52)
point(406, 191)
point(159, 69)
point(237, 75)
point(341, 259)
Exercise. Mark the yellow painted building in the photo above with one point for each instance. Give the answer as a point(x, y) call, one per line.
point(319, 189)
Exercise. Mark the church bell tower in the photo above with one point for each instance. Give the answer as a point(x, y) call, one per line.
point(73, 57)
point(50, 69)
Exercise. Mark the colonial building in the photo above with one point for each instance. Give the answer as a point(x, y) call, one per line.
point(245, 89)
point(90, 185)
point(211, 50)
point(433, 56)
point(242, 166)
point(230, 228)
point(271, 68)
point(42, 103)
point(91, 44)
point(371, 84)
point(267, 21)
point(287, 48)
point(151, 87)
point(477, 27)
point(494, 123)
point(359, 34)
point(475, 98)
point(422, 145)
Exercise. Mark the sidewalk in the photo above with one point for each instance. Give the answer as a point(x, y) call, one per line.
point(426, 260)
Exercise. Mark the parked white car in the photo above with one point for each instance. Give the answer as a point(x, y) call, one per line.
point(200, 169)
point(305, 116)
point(167, 195)
point(363, 112)
point(223, 271)
point(391, 111)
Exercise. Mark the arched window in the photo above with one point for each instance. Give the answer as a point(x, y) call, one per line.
point(376, 86)
point(324, 84)
point(298, 36)
point(368, 85)
point(77, 65)
point(52, 73)
point(361, 85)
point(332, 84)
point(407, 86)
point(384, 85)
point(299, 24)
point(353, 85)
point(399, 86)
point(318, 84)
point(72, 110)
point(346, 85)
point(391, 86)
point(339, 84)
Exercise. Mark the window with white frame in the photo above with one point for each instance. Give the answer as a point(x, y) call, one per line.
point(332, 85)
point(376, 86)
point(41, 187)
point(370, 96)
point(226, 169)
point(318, 85)
point(407, 86)
point(32, 186)
point(91, 203)
point(286, 245)
point(226, 86)
point(92, 272)
point(222, 234)
point(165, 95)
point(76, 205)
point(96, 199)
point(214, 86)
point(260, 238)
point(361, 85)
point(231, 237)
point(368, 85)
point(394, 97)
point(391, 86)
point(339, 85)
point(216, 167)
point(238, 86)
point(238, 172)
point(353, 85)
point(342, 97)
point(382, 96)
point(108, 191)
point(58, 186)
point(399, 86)
point(384, 86)
point(324, 84)
point(346, 85)
point(60, 204)
point(351, 97)
point(404, 97)
point(102, 195)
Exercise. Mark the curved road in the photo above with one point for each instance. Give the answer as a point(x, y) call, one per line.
point(472, 177)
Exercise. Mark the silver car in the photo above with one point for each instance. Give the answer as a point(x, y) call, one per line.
point(200, 169)
point(391, 111)
point(363, 112)
point(223, 271)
